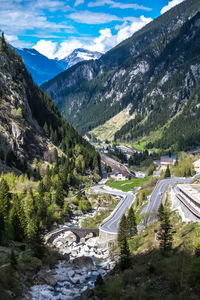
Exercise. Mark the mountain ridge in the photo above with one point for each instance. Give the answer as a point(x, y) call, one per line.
point(43, 68)
point(106, 86)
point(30, 124)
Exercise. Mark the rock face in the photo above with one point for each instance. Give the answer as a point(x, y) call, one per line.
point(19, 132)
point(30, 123)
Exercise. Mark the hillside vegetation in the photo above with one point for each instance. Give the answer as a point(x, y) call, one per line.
point(156, 71)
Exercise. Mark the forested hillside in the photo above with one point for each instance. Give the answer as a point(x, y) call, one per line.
point(171, 100)
point(45, 157)
point(144, 71)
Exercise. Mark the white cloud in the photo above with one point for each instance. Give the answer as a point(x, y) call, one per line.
point(47, 48)
point(128, 30)
point(88, 17)
point(53, 49)
point(103, 43)
point(78, 2)
point(106, 40)
point(66, 48)
point(170, 5)
point(19, 17)
point(52, 5)
point(13, 39)
point(114, 4)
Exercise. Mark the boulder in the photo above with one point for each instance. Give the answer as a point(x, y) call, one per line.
point(82, 241)
point(92, 242)
point(71, 273)
point(88, 294)
point(83, 261)
point(74, 253)
point(89, 235)
point(69, 237)
point(76, 279)
point(46, 278)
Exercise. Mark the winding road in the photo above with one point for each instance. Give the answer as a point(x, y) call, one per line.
point(160, 190)
point(111, 223)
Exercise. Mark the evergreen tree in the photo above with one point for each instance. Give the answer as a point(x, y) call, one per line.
point(197, 250)
point(131, 223)
point(4, 198)
point(167, 172)
point(16, 220)
point(41, 189)
point(59, 197)
point(4, 207)
point(161, 212)
point(55, 154)
point(122, 231)
point(165, 233)
point(125, 256)
point(46, 129)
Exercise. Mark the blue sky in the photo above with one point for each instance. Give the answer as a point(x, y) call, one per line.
point(57, 27)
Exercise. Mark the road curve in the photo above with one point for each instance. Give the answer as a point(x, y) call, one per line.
point(158, 193)
point(111, 223)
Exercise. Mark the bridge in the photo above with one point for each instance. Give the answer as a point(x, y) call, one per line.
point(79, 232)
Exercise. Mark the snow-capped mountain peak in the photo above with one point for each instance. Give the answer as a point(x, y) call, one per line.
point(80, 54)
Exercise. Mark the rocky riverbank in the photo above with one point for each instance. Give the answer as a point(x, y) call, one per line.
point(84, 258)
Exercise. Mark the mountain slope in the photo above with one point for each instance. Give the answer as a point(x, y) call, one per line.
point(79, 55)
point(170, 101)
point(90, 93)
point(30, 123)
point(40, 67)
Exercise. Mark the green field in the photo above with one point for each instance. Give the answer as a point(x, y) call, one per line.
point(127, 185)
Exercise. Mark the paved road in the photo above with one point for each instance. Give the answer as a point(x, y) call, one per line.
point(111, 223)
point(159, 191)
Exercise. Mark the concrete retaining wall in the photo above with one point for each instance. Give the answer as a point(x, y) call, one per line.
point(105, 237)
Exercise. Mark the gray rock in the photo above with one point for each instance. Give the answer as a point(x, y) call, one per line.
point(71, 273)
point(83, 261)
point(44, 277)
point(89, 235)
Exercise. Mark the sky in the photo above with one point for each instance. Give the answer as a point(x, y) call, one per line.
point(56, 27)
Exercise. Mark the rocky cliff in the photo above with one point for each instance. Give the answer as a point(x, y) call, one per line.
point(30, 123)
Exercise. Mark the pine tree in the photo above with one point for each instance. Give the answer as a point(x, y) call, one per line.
point(4, 198)
point(161, 212)
point(131, 223)
point(4, 207)
point(125, 256)
point(197, 250)
point(55, 154)
point(41, 189)
point(167, 172)
point(16, 220)
point(46, 129)
point(59, 198)
point(122, 231)
point(165, 233)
